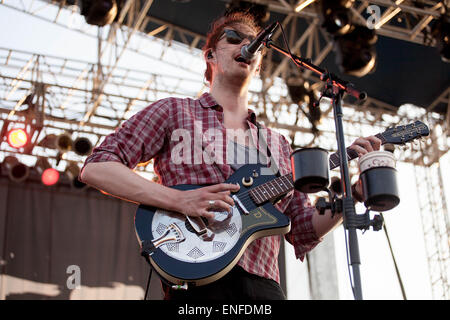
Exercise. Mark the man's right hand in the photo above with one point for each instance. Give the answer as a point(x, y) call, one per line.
point(199, 202)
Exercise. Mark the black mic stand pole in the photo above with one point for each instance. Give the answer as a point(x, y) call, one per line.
point(335, 89)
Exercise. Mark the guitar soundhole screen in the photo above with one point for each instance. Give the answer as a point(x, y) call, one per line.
point(219, 246)
point(195, 253)
point(231, 230)
point(173, 247)
point(161, 229)
point(194, 249)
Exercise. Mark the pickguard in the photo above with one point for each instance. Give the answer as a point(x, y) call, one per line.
point(258, 217)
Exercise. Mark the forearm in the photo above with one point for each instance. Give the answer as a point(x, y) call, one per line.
point(120, 181)
point(323, 224)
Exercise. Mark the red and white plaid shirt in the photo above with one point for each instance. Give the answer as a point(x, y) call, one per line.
point(150, 134)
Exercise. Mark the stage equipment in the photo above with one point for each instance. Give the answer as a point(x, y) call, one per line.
point(334, 89)
point(336, 15)
point(379, 180)
point(63, 142)
point(17, 138)
point(249, 51)
point(310, 169)
point(303, 5)
point(301, 94)
point(355, 51)
point(73, 171)
point(441, 32)
point(49, 176)
point(17, 171)
point(82, 146)
point(99, 12)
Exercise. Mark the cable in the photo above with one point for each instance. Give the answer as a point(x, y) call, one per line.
point(397, 271)
point(348, 265)
point(148, 282)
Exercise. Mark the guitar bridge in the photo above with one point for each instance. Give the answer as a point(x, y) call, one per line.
point(173, 234)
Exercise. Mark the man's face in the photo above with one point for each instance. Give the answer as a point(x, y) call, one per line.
point(227, 61)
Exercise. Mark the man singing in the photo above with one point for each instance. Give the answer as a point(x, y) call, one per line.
point(149, 134)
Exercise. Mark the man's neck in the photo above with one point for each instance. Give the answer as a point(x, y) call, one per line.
point(232, 97)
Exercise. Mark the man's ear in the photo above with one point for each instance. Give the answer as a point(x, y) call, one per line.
point(209, 55)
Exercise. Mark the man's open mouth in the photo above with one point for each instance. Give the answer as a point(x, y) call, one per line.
point(241, 59)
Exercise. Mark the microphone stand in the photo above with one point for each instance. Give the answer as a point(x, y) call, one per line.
point(335, 89)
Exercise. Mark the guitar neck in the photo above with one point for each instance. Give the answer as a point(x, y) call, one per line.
point(334, 160)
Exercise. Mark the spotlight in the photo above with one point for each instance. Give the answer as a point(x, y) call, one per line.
point(336, 15)
point(49, 176)
point(17, 171)
point(82, 146)
point(62, 142)
point(73, 171)
point(356, 54)
point(441, 32)
point(301, 95)
point(99, 12)
point(17, 138)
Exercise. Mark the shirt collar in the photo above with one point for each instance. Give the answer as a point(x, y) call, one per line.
point(207, 101)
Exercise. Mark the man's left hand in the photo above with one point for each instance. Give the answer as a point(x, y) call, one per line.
point(365, 145)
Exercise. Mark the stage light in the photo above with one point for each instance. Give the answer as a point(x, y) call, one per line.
point(82, 146)
point(301, 95)
point(356, 54)
point(17, 171)
point(441, 32)
point(336, 15)
point(17, 138)
point(49, 176)
point(62, 142)
point(99, 12)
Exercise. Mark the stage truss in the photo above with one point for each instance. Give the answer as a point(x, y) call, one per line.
point(91, 99)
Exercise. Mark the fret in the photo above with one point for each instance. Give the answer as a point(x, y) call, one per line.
point(270, 188)
point(277, 184)
point(255, 195)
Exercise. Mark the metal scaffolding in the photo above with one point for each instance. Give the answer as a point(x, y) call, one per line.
point(91, 99)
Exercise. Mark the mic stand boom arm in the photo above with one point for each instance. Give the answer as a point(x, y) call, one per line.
point(335, 89)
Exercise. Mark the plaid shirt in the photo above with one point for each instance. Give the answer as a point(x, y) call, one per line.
point(150, 134)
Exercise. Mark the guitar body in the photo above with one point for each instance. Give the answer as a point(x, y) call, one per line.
point(197, 261)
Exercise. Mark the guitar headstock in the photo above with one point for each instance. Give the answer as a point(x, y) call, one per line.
point(405, 133)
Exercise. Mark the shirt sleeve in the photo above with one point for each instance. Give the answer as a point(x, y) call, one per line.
point(138, 139)
point(302, 235)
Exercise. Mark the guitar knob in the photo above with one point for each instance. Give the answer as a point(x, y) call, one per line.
point(247, 181)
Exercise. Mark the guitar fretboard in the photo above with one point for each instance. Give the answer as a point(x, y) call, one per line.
point(273, 189)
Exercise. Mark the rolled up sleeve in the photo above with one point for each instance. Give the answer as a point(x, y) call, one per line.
point(302, 235)
point(138, 139)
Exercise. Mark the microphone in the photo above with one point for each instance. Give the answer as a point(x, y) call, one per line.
point(248, 51)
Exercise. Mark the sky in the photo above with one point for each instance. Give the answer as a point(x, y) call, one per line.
point(379, 280)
